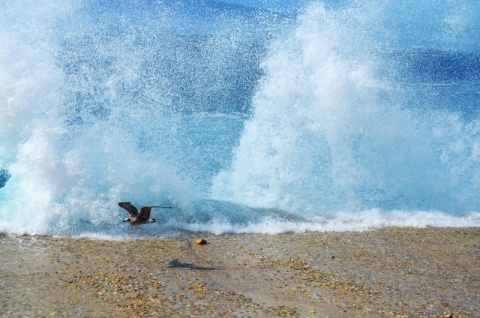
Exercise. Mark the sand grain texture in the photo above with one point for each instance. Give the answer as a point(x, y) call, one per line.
point(392, 272)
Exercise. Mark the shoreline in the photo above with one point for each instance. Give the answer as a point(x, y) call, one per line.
point(387, 272)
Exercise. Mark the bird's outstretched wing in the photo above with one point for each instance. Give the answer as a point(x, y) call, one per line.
point(132, 211)
point(145, 212)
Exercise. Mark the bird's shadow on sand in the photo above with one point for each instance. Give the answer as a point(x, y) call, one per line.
point(179, 264)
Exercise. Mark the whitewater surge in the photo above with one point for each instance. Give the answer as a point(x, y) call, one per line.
point(247, 119)
point(333, 128)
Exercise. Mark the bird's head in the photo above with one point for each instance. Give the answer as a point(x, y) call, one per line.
point(127, 220)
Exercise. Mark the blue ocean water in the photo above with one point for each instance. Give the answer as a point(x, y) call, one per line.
point(246, 116)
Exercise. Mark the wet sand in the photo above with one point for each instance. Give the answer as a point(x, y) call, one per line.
point(392, 272)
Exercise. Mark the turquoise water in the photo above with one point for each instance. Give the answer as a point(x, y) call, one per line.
point(261, 117)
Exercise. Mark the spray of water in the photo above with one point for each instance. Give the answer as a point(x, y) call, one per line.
point(242, 119)
point(334, 128)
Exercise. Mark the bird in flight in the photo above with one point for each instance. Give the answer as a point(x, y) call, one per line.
point(136, 218)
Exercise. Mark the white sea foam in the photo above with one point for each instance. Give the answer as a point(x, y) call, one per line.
point(340, 222)
point(332, 129)
point(96, 110)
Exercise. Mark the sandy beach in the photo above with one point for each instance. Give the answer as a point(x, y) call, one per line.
point(391, 272)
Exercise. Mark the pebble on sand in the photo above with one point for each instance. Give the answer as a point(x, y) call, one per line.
point(201, 241)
